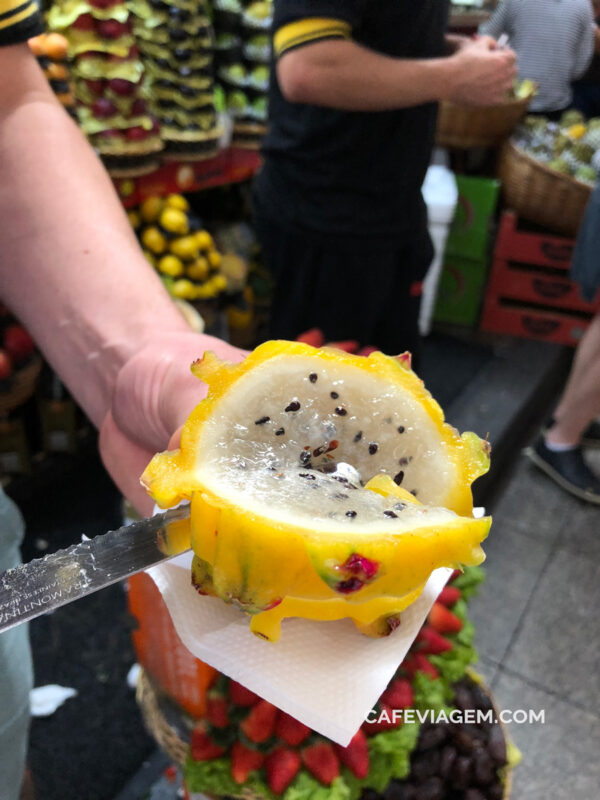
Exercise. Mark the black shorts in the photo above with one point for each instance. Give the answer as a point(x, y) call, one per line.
point(349, 287)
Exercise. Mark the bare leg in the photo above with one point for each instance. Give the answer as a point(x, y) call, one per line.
point(580, 401)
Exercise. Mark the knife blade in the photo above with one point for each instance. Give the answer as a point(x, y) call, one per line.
point(44, 584)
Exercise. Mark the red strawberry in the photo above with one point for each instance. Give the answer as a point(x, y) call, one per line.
point(448, 596)
point(423, 664)
point(260, 722)
point(443, 620)
point(399, 694)
point(240, 696)
point(356, 755)
point(203, 748)
point(456, 574)
point(349, 346)
point(290, 730)
point(281, 767)
point(5, 365)
point(432, 642)
point(18, 343)
point(216, 711)
point(84, 22)
point(244, 761)
point(137, 134)
point(111, 28)
point(384, 720)
point(313, 337)
point(96, 86)
point(321, 760)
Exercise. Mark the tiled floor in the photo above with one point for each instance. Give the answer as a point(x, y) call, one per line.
point(538, 632)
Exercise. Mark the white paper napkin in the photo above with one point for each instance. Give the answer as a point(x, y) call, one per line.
point(326, 674)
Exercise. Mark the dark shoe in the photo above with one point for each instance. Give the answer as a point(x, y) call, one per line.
point(567, 469)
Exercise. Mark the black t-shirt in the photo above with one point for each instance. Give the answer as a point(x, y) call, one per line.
point(19, 21)
point(351, 172)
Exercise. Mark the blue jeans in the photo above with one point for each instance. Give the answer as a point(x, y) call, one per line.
point(16, 672)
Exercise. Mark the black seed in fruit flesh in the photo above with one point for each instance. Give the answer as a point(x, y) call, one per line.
point(413, 492)
point(318, 451)
point(262, 420)
point(340, 496)
point(340, 411)
point(279, 431)
point(340, 479)
point(351, 514)
point(404, 462)
point(333, 395)
point(328, 467)
point(307, 476)
point(293, 406)
point(390, 514)
point(313, 377)
point(401, 429)
point(305, 457)
point(373, 447)
point(398, 478)
point(358, 436)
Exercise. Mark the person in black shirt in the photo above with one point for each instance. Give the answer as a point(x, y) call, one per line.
point(338, 206)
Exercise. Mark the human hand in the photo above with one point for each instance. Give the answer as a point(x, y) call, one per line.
point(155, 393)
point(481, 74)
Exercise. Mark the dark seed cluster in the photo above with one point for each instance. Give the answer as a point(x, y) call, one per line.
point(358, 436)
point(279, 431)
point(313, 377)
point(398, 478)
point(293, 406)
point(373, 448)
point(390, 514)
point(262, 420)
point(351, 514)
point(340, 411)
point(401, 429)
point(307, 475)
point(333, 395)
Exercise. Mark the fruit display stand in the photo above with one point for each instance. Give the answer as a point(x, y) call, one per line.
point(232, 165)
point(224, 736)
point(529, 293)
point(541, 194)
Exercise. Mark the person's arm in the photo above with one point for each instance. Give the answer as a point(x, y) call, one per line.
point(339, 73)
point(72, 271)
point(586, 45)
point(499, 22)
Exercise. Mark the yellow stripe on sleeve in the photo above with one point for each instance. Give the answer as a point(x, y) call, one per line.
point(18, 12)
point(307, 30)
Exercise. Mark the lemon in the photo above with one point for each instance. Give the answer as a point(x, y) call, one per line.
point(174, 221)
point(204, 240)
point(219, 282)
point(214, 258)
point(185, 247)
point(153, 240)
point(177, 201)
point(183, 289)
point(171, 266)
point(134, 219)
point(151, 208)
point(198, 269)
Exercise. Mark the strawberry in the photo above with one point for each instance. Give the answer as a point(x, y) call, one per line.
point(290, 730)
point(244, 761)
point(448, 596)
point(444, 621)
point(313, 337)
point(384, 720)
point(432, 642)
point(399, 694)
point(260, 722)
point(356, 755)
point(423, 664)
point(240, 696)
point(456, 574)
point(203, 748)
point(216, 711)
point(18, 343)
point(281, 767)
point(349, 346)
point(321, 760)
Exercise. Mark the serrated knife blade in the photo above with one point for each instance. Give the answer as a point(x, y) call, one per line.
point(44, 584)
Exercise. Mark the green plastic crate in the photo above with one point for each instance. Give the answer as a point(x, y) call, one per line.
point(460, 291)
point(470, 231)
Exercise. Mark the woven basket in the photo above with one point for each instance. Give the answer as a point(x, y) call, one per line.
point(468, 126)
point(22, 386)
point(540, 194)
point(147, 696)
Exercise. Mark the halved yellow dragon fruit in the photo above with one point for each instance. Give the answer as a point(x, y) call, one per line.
point(323, 485)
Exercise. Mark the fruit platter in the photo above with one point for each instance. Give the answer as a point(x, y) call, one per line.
point(243, 746)
point(548, 169)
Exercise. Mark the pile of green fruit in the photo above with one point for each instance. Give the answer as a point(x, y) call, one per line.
point(183, 253)
point(570, 146)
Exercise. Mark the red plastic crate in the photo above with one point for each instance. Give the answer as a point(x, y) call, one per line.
point(529, 293)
